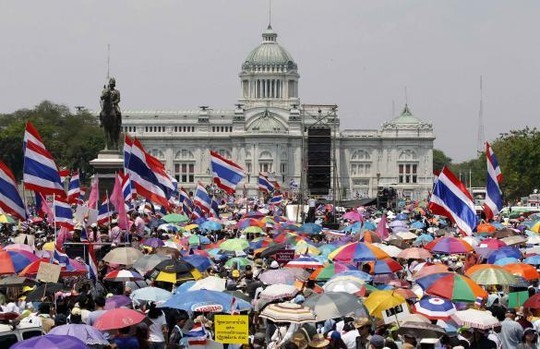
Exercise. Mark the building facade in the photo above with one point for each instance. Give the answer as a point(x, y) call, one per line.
point(267, 130)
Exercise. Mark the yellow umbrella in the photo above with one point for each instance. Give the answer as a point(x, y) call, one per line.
point(174, 278)
point(304, 248)
point(379, 301)
point(191, 226)
point(48, 246)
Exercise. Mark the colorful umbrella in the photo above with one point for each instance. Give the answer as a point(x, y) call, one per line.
point(4, 218)
point(21, 259)
point(448, 245)
point(435, 308)
point(175, 218)
point(278, 291)
point(370, 236)
point(238, 263)
point(357, 252)
point(325, 273)
point(88, 334)
point(415, 253)
point(123, 276)
point(485, 228)
point(277, 276)
point(6, 265)
point(385, 266)
point(533, 302)
point(452, 286)
point(491, 243)
point(304, 262)
point(288, 312)
point(379, 301)
point(234, 245)
point(51, 341)
point(118, 318)
point(391, 250)
point(202, 263)
point(153, 242)
point(493, 276)
point(253, 230)
point(249, 222)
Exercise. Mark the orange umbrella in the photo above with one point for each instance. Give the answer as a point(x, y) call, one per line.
point(526, 271)
point(6, 265)
point(478, 267)
point(485, 228)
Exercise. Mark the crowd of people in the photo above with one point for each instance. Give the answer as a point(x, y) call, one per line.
point(402, 256)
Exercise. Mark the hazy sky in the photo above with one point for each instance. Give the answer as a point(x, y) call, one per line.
point(357, 54)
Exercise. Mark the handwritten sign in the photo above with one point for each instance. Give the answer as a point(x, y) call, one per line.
point(48, 272)
point(231, 329)
point(396, 314)
point(284, 256)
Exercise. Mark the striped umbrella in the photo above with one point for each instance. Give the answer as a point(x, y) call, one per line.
point(494, 276)
point(304, 262)
point(451, 286)
point(385, 266)
point(123, 276)
point(449, 245)
point(326, 272)
point(415, 253)
point(278, 291)
point(357, 252)
point(289, 313)
point(435, 308)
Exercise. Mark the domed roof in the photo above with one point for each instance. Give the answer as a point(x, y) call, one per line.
point(270, 52)
point(266, 123)
point(406, 117)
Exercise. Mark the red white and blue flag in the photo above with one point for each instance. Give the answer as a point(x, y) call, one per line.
point(64, 174)
point(60, 256)
point(214, 210)
point(451, 198)
point(104, 212)
point(40, 172)
point(74, 190)
point(202, 199)
point(227, 174)
point(63, 214)
point(143, 176)
point(185, 200)
point(494, 201)
point(265, 185)
point(92, 263)
point(276, 199)
point(10, 199)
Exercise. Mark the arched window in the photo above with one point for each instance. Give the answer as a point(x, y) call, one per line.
point(266, 162)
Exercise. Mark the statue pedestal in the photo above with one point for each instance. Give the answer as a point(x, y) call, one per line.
point(106, 166)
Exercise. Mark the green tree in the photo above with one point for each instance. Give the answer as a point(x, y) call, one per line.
point(72, 139)
point(440, 159)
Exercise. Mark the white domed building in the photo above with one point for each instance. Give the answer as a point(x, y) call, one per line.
point(267, 132)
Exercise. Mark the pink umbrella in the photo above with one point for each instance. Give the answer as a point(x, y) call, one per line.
point(353, 216)
point(19, 247)
point(118, 318)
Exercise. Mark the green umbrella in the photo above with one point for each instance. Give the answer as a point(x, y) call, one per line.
point(234, 245)
point(253, 229)
point(240, 262)
point(175, 218)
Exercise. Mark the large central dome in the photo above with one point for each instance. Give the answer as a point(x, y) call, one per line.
point(269, 53)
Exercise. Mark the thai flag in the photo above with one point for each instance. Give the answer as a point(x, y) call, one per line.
point(82, 193)
point(164, 179)
point(265, 185)
point(126, 188)
point(196, 213)
point(143, 177)
point(197, 333)
point(227, 174)
point(10, 199)
point(63, 214)
point(128, 143)
point(494, 201)
point(202, 199)
point(60, 256)
point(104, 212)
point(40, 172)
point(276, 199)
point(293, 184)
point(214, 210)
point(450, 198)
point(74, 190)
point(64, 174)
point(92, 263)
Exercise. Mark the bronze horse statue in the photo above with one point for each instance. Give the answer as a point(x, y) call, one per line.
point(110, 120)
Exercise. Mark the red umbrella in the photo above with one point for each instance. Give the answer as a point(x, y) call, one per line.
point(449, 245)
point(118, 318)
point(491, 243)
point(415, 253)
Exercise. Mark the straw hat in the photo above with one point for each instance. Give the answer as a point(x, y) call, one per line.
point(300, 340)
point(319, 341)
point(361, 322)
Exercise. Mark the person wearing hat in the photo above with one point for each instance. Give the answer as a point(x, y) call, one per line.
point(376, 342)
point(357, 333)
point(529, 339)
point(300, 340)
point(274, 265)
point(318, 341)
point(259, 340)
point(511, 331)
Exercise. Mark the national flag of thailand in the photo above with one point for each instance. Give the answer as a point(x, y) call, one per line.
point(63, 214)
point(196, 213)
point(202, 199)
point(92, 263)
point(64, 174)
point(82, 194)
point(117, 199)
point(128, 142)
point(197, 331)
point(265, 185)
point(293, 184)
point(60, 256)
point(227, 174)
point(276, 199)
point(143, 177)
point(494, 201)
point(126, 187)
point(10, 199)
point(214, 210)
point(37, 204)
point(104, 212)
point(74, 190)
point(451, 198)
point(40, 172)
point(94, 193)
point(161, 174)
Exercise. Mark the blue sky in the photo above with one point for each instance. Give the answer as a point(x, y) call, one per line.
point(359, 54)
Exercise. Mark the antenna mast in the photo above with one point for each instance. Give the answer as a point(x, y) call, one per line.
point(108, 60)
point(269, 13)
point(481, 136)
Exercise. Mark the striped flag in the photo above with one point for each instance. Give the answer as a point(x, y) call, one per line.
point(104, 212)
point(227, 174)
point(276, 199)
point(92, 263)
point(60, 257)
point(74, 190)
point(40, 172)
point(10, 200)
point(265, 185)
point(451, 198)
point(63, 214)
point(494, 201)
point(202, 199)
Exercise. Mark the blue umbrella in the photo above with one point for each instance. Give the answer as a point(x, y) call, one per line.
point(506, 260)
point(211, 226)
point(418, 225)
point(402, 217)
point(503, 252)
point(51, 341)
point(369, 225)
point(184, 287)
point(202, 263)
point(310, 228)
point(205, 301)
point(356, 273)
point(353, 228)
point(534, 260)
point(423, 238)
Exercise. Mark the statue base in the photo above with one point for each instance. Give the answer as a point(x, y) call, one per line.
point(106, 166)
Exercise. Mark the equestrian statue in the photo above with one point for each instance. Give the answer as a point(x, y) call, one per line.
point(110, 116)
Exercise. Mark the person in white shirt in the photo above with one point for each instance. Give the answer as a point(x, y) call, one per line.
point(158, 327)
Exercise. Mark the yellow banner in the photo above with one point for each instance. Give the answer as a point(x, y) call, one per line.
point(231, 329)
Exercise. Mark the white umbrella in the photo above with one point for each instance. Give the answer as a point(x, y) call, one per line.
point(406, 235)
point(481, 319)
point(211, 283)
point(278, 291)
point(344, 284)
point(331, 305)
point(390, 250)
point(288, 312)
